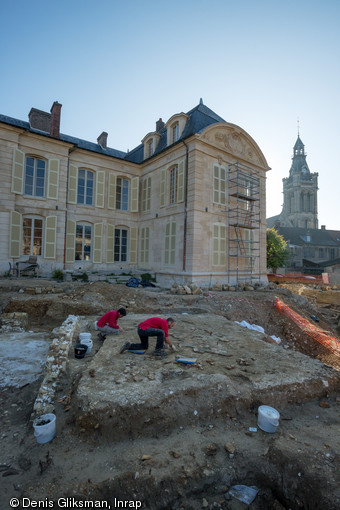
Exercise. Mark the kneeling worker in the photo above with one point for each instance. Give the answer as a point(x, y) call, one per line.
point(107, 325)
point(155, 326)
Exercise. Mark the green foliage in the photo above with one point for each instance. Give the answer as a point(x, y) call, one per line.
point(277, 249)
point(146, 277)
point(58, 274)
point(83, 277)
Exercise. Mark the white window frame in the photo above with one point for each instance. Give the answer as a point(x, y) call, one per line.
point(122, 192)
point(175, 132)
point(118, 255)
point(85, 241)
point(32, 246)
point(35, 177)
point(86, 186)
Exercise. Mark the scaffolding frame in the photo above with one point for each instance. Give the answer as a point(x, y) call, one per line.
point(244, 222)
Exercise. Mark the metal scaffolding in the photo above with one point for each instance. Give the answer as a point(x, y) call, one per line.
point(244, 221)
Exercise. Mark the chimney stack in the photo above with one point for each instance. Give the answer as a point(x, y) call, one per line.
point(323, 227)
point(102, 139)
point(55, 119)
point(159, 125)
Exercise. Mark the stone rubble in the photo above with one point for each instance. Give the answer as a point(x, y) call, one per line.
point(56, 363)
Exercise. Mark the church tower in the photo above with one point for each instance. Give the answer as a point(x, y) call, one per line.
point(300, 206)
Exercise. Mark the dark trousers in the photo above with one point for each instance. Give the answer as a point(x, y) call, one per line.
point(144, 339)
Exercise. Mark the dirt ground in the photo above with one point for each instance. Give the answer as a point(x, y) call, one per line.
point(160, 453)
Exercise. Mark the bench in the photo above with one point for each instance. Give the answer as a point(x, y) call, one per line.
point(24, 267)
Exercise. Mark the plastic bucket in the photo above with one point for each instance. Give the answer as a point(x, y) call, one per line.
point(268, 419)
point(45, 428)
point(86, 341)
point(80, 350)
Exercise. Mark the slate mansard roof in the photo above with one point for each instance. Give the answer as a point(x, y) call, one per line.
point(298, 236)
point(199, 118)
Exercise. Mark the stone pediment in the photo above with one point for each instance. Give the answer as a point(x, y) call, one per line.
point(235, 141)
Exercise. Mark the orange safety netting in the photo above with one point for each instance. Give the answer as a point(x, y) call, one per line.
point(323, 337)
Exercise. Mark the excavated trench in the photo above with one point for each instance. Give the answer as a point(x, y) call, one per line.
point(287, 472)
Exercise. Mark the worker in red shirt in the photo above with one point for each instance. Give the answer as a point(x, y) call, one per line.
point(155, 326)
point(107, 325)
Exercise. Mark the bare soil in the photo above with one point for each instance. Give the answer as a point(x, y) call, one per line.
point(188, 463)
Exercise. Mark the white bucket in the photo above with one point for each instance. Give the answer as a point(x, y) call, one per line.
point(268, 419)
point(85, 339)
point(95, 326)
point(45, 432)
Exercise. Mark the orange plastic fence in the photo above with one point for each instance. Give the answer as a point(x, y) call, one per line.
point(323, 337)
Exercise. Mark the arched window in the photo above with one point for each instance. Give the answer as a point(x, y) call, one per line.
point(35, 177)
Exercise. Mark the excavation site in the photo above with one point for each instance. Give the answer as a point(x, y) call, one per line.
point(183, 431)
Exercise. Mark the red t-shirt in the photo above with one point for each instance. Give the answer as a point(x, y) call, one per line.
point(157, 323)
point(110, 318)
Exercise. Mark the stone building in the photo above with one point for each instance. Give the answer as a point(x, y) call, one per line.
point(187, 204)
point(300, 205)
point(310, 247)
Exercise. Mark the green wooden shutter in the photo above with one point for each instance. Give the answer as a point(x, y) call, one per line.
point(219, 245)
point(112, 191)
point(100, 186)
point(72, 184)
point(163, 188)
point(53, 179)
point(167, 244)
point(15, 235)
point(50, 237)
point(133, 245)
point(215, 245)
point(223, 245)
point(134, 194)
point(148, 194)
point(180, 187)
point(18, 171)
point(97, 243)
point(70, 241)
point(110, 238)
point(173, 244)
point(223, 186)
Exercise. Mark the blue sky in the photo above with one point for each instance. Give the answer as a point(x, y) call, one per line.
point(118, 66)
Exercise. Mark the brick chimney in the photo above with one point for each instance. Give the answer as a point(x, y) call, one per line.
point(102, 139)
point(159, 125)
point(55, 119)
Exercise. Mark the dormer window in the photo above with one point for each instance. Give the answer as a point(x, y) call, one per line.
point(175, 127)
point(175, 132)
point(150, 142)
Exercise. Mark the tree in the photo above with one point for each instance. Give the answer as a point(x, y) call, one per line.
point(277, 250)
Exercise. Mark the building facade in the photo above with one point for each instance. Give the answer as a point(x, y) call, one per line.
point(187, 204)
